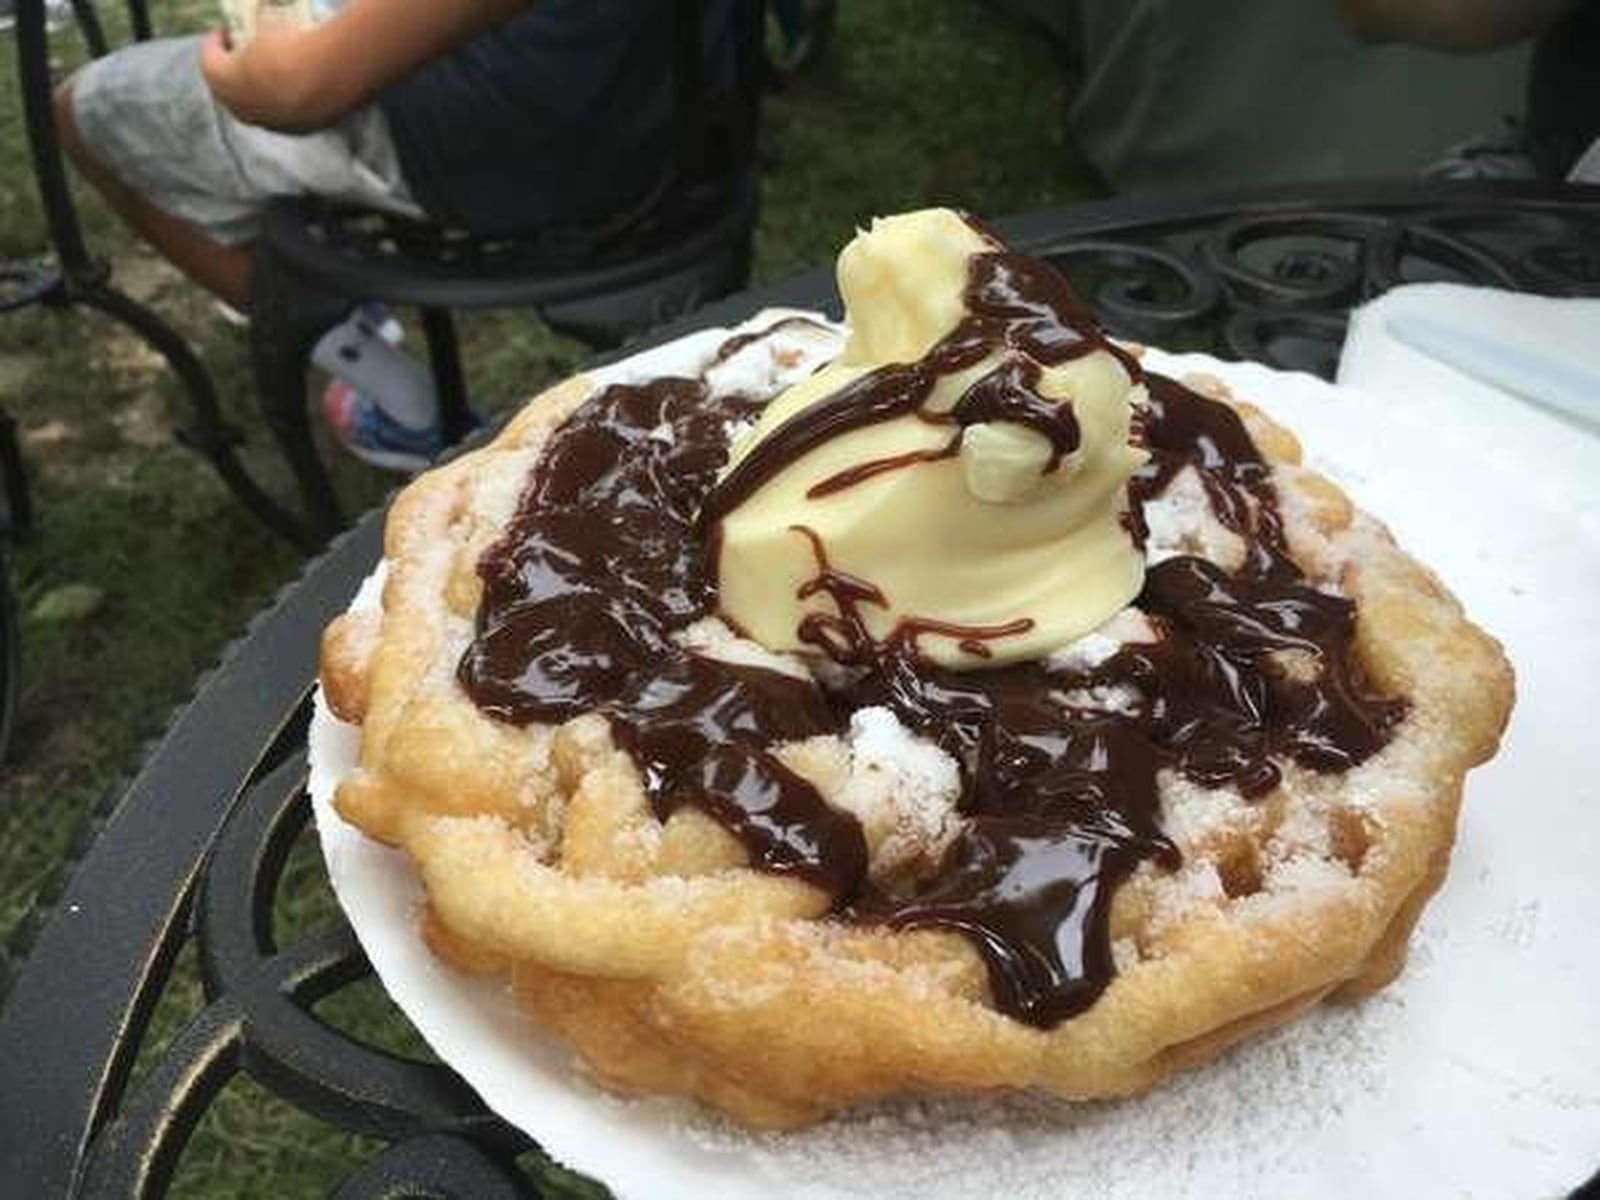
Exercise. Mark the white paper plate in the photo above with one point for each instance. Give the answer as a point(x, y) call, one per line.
point(1476, 1074)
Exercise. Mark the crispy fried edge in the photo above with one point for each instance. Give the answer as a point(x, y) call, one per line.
point(1405, 618)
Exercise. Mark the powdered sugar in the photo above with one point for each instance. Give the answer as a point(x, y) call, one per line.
point(711, 637)
point(1181, 521)
point(794, 346)
point(1191, 812)
point(1128, 625)
point(902, 789)
point(1302, 873)
point(1102, 697)
point(1246, 1130)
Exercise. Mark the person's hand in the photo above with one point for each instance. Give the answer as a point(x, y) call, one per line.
point(272, 81)
point(1459, 25)
point(297, 79)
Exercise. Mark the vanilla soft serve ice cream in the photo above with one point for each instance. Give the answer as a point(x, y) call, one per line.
point(955, 479)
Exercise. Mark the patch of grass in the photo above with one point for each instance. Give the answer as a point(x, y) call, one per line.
point(142, 567)
point(917, 103)
point(251, 1144)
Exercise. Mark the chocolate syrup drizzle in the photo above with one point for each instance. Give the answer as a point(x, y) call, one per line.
point(844, 638)
point(1008, 393)
point(606, 559)
point(581, 595)
point(1014, 304)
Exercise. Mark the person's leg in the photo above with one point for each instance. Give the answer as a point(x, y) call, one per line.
point(192, 180)
point(142, 127)
point(216, 266)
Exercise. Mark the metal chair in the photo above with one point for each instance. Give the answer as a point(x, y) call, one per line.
point(314, 261)
point(72, 278)
point(77, 278)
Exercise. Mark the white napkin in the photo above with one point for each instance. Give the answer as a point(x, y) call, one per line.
point(1522, 343)
point(1518, 442)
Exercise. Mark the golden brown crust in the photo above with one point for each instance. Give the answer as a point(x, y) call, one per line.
point(347, 647)
point(673, 967)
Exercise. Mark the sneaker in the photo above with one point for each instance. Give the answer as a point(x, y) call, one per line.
point(363, 352)
point(375, 437)
point(1503, 154)
point(230, 315)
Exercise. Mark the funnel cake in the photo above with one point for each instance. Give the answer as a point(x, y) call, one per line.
point(783, 883)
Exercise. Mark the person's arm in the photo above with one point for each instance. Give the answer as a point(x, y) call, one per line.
point(1450, 24)
point(303, 79)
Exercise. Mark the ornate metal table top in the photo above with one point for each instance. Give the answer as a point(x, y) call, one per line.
point(193, 851)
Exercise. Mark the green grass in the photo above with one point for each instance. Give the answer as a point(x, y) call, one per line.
point(142, 567)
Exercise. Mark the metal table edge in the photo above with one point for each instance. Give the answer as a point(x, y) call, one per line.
point(80, 989)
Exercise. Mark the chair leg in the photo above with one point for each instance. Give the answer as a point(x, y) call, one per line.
point(88, 19)
point(139, 13)
point(14, 481)
point(286, 319)
point(10, 654)
point(449, 381)
point(206, 432)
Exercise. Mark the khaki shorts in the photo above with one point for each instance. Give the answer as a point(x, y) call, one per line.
point(146, 114)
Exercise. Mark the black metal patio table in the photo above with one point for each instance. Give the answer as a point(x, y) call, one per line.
point(193, 849)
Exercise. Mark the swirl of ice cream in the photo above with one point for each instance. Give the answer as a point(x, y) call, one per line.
point(955, 481)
